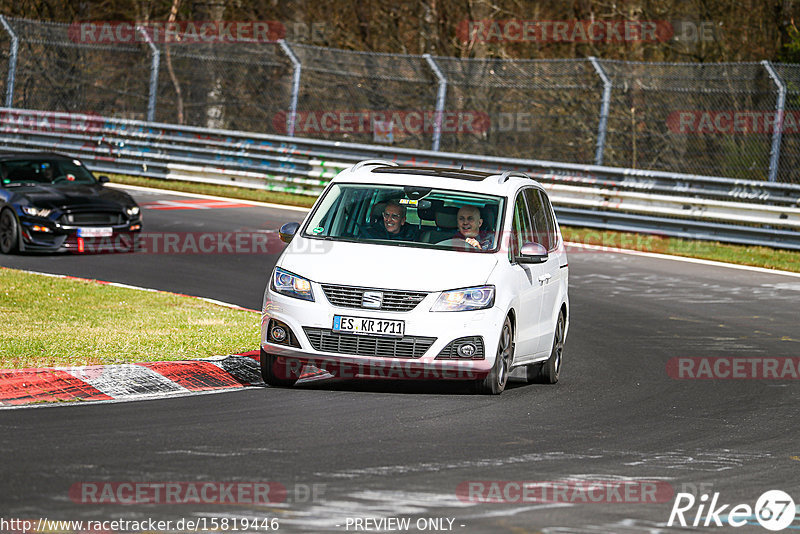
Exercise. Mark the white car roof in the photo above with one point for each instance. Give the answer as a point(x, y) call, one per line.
point(388, 173)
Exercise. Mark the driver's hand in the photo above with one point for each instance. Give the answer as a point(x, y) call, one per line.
point(472, 241)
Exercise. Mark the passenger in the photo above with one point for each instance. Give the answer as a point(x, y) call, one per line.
point(394, 224)
point(469, 228)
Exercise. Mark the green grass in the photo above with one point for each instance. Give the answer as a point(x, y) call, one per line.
point(242, 193)
point(765, 257)
point(62, 322)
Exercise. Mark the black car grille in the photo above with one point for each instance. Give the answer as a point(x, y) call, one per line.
point(94, 218)
point(362, 345)
point(450, 352)
point(393, 300)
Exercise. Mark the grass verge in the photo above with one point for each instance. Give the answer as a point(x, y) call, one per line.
point(709, 250)
point(60, 322)
point(242, 193)
point(765, 257)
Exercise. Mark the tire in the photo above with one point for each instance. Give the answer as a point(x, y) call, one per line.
point(495, 382)
point(9, 232)
point(547, 372)
point(276, 373)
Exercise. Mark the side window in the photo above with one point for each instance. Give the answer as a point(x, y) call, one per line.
point(521, 230)
point(538, 217)
point(552, 237)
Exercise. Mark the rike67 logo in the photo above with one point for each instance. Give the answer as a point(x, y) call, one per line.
point(774, 511)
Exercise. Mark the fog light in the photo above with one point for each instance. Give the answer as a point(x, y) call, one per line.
point(37, 228)
point(278, 334)
point(135, 227)
point(467, 350)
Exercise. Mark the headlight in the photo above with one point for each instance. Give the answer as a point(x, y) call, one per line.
point(469, 298)
point(132, 211)
point(33, 211)
point(291, 285)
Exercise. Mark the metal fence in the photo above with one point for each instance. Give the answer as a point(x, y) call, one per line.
point(706, 119)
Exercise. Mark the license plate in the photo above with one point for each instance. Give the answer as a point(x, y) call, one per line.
point(95, 232)
point(368, 325)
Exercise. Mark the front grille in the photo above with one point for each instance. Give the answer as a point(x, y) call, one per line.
point(92, 218)
point(450, 352)
point(393, 300)
point(362, 345)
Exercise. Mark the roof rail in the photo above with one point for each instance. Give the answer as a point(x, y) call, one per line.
point(367, 162)
point(508, 174)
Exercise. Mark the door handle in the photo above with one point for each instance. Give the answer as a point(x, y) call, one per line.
point(544, 278)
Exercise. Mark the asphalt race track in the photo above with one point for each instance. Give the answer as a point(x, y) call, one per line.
point(348, 452)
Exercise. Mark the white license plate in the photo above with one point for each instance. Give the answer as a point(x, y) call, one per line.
point(368, 325)
point(95, 232)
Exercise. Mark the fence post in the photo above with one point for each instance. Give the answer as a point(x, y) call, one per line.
point(440, 98)
point(777, 133)
point(603, 126)
point(295, 84)
point(154, 65)
point(12, 63)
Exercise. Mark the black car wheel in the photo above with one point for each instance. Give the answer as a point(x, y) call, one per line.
point(277, 372)
point(495, 381)
point(547, 371)
point(9, 232)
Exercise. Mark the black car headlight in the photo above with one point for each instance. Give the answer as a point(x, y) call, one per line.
point(291, 285)
point(33, 211)
point(132, 211)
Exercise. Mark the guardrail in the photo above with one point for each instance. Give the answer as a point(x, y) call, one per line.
point(689, 206)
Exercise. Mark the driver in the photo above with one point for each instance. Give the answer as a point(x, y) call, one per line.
point(469, 228)
point(394, 224)
point(47, 172)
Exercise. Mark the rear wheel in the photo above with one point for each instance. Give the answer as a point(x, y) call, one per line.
point(495, 381)
point(547, 372)
point(277, 371)
point(9, 232)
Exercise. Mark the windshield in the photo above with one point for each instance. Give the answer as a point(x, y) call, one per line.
point(408, 216)
point(44, 171)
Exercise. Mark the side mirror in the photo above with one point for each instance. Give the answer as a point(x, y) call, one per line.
point(103, 179)
point(532, 253)
point(287, 231)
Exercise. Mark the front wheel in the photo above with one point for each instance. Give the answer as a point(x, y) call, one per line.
point(277, 372)
point(547, 372)
point(9, 232)
point(495, 381)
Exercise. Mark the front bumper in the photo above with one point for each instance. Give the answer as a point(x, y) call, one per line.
point(42, 235)
point(307, 319)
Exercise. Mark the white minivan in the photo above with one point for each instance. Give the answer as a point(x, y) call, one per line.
point(420, 273)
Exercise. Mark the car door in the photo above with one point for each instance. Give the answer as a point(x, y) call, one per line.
point(544, 226)
point(527, 284)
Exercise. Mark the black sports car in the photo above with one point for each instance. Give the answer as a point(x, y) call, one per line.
point(52, 202)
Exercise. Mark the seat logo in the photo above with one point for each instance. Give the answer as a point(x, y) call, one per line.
point(372, 299)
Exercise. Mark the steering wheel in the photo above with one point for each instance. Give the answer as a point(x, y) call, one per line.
point(59, 179)
point(457, 243)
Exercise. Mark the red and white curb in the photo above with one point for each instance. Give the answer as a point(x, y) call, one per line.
point(128, 381)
